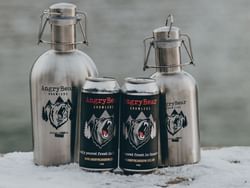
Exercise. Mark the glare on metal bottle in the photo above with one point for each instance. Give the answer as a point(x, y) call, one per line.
point(179, 119)
point(56, 80)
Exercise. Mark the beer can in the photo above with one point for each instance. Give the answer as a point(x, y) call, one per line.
point(99, 124)
point(139, 125)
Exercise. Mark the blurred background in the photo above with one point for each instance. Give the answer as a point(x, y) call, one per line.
point(220, 33)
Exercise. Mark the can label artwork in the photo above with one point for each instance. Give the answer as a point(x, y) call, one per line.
point(99, 125)
point(139, 124)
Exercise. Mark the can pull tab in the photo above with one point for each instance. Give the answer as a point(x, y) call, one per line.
point(79, 18)
point(168, 43)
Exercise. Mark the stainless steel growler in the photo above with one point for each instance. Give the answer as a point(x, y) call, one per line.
point(56, 80)
point(179, 119)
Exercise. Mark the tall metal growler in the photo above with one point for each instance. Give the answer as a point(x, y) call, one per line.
point(56, 80)
point(179, 119)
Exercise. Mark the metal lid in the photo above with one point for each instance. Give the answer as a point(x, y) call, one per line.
point(62, 14)
point(167, 33)
point(63, 17)
point(62, 10)
point(167, 36)
point(167, 41)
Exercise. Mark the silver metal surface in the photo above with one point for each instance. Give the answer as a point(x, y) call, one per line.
point(178, 91)
point(56, 80)
point(96, 170)
point(179, 128)
point(101, 85)
point(168, 55)
point(63, 9)
point(63, 19)
point(140, 86)
point(167, 41)
point(53, 75)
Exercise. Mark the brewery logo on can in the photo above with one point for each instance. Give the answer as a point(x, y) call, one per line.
point(139, 126)
point(100, 129)
point(99, 125)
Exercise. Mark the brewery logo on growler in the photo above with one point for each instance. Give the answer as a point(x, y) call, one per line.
point(55, 90)
point(176, 119)
point(139, 122)
point(99, 124)
point(57, 113)
point(57, 110)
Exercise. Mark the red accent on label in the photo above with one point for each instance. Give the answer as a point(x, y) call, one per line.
point(141, 135)
point(143, 102)
point(105, 133)
point(100, 101)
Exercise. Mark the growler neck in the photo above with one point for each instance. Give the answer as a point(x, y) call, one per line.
point(65, 52)
point(169, 70)
point(168, 59)
point(63, 38)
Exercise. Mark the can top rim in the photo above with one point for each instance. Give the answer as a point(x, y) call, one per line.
point(100, 79)
point(139, 80)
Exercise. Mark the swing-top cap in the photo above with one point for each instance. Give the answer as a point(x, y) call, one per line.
point(167, 32)
point(62, 10)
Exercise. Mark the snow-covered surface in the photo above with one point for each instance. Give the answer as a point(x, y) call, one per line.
point(219, 168)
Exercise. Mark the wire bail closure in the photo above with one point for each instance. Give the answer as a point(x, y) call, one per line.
point(168, 43)
point(46, 16)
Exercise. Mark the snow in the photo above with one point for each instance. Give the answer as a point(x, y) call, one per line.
point(218, 168)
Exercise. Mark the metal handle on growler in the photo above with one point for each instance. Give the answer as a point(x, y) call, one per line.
point(56, 80)
point(179, 141)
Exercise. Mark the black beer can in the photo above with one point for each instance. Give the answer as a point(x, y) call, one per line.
point(99, 124)
point(139, 125)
